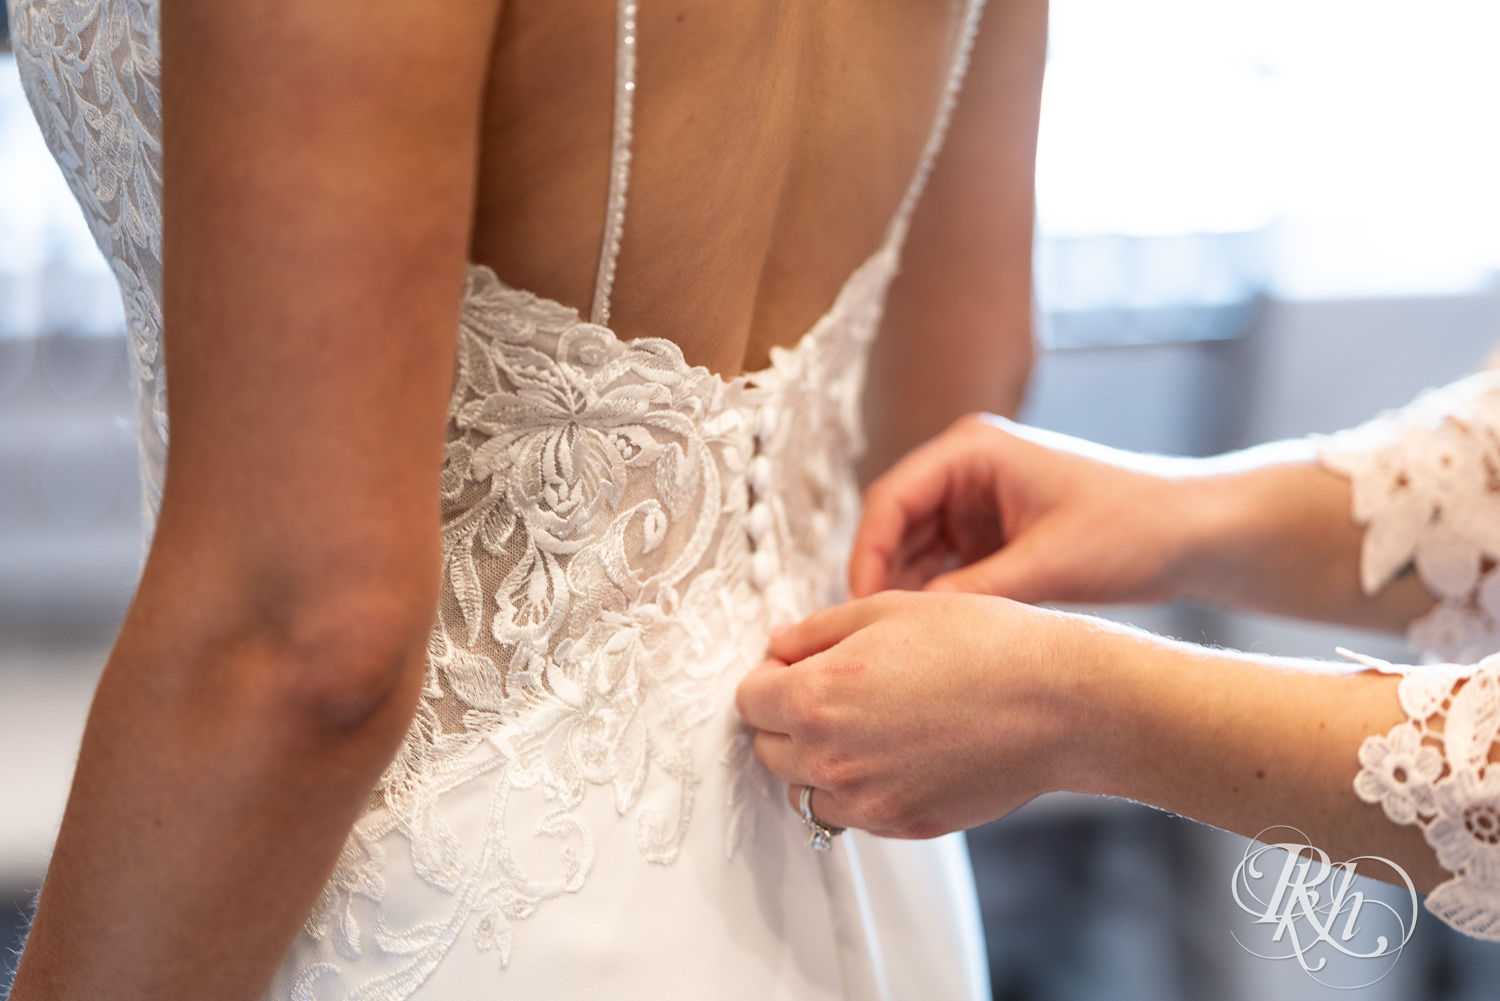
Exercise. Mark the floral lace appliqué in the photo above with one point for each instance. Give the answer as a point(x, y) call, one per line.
point(597, 587)
point(1434, 771)
point(91, 69)
point(597, 590)
point(594, 594)
point(1426, 484)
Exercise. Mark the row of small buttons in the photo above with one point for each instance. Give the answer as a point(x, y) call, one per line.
point(758, 521)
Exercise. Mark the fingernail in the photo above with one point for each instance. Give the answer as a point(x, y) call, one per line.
point(779, 631)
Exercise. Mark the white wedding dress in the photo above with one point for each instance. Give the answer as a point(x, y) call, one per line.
point(576, 812)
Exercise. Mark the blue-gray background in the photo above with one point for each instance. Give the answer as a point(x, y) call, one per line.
point(1257, 220)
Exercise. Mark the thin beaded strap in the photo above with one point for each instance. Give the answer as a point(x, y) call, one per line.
point(959, 67)
point(619, 173)
point(619, 160)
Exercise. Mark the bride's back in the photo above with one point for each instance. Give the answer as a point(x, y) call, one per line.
point(772, 145)
point(553, 764)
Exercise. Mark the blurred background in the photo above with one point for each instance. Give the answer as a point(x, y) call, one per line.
point(1256, 220)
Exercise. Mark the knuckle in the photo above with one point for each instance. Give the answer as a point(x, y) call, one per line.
point(813, 709)
point(832, 772)
point(765, 748)
point(808, 718)
point(823, 774)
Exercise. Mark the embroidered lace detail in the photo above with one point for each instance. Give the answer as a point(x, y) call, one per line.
point(596, 592)
point(1434, 771)
point(597, 583)
point(1426, 483)
point(91, 71)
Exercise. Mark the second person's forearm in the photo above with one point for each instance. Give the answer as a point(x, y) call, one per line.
point(1244, 744)
point(1270, 530)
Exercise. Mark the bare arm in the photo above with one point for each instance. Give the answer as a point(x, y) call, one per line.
point(957, 334)
point(319, 163)
point(1244, 743)
point(1272, 531)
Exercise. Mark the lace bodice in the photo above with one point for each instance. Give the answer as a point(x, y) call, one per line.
point(90, 69)
point(620, 530)
point(1426, 484)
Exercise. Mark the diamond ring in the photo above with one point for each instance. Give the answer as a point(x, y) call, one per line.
point(819, 835)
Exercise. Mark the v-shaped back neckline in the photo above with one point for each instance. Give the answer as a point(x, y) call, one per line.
point(626, 34)
point(780, 355)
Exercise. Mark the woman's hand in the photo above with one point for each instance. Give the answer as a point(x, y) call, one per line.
point(917, 714)
point(996, 508)
point(912, 715)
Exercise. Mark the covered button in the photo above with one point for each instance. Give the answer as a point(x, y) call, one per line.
point(765, 424)
point(760, 475)
point(759, 522)
point(762, 568)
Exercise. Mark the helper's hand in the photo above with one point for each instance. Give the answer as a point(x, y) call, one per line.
point(912, 715)
point(996, 508)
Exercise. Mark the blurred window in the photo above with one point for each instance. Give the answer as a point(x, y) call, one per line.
point(69, 505)
point(1354, 135)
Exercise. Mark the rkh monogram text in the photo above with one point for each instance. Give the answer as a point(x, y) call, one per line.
point(1306, 907)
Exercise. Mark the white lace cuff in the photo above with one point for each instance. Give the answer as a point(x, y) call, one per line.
point(1433, 771)
point(1426, 484)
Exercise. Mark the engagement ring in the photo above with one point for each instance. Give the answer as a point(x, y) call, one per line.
point(819, 835)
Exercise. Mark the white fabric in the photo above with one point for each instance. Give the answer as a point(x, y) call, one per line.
point(1426, 484)
point(1433, 771)
point(576, 812)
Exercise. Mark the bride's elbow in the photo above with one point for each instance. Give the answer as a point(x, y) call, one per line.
point(347, 662)
point(292, 647)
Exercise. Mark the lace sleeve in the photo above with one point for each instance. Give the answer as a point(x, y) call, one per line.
point(1426, 486)
point(1426, 483)
point(1433, 771)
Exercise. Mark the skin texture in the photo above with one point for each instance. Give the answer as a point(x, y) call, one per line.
point(958, 323)
point(270, 663)
point(329, 168)
point(773, 143)
point(913, 713)
point(997, 508)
